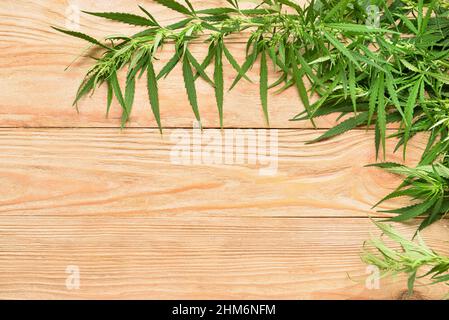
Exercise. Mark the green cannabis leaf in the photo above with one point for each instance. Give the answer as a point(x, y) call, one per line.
point(189, 83)
point(128, 18)
point(153, 93)
point(218, 78)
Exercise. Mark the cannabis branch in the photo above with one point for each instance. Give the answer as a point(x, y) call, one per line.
point(391, 70)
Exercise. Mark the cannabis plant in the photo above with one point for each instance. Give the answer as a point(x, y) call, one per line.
point(428, 184)
point(414, 258)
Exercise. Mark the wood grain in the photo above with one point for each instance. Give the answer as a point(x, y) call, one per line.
point(107, 172)
point(76, 190)
point(189, 257)
point(139, 226)
point(37, 92)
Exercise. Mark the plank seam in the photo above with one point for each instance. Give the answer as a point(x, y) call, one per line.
point(185, 128)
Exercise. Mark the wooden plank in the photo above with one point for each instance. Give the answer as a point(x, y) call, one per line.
point(184, 257)
point(30, 99)
point(36, 92)
point(105, 171)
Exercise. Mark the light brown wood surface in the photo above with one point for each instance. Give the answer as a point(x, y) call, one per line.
point(106, 171)
point(143, 256)
point(77, 190)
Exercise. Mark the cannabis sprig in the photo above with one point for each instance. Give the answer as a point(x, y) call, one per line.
point(414, 258)
point(295, 43)
point(428, 185)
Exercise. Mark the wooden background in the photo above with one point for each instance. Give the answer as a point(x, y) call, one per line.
point(77, 190)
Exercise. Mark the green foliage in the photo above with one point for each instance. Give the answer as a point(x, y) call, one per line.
point(427, 184)
point(82, 36)
point(153, 93)
point(264, 84)
point(413, 258)
point(189, 84)
point(394, 67)
point(174, 6)
point(218, 78)
point(131, 19)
